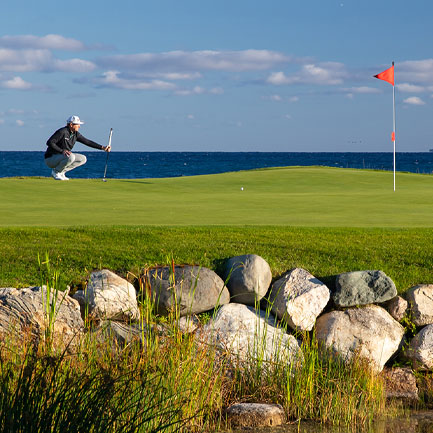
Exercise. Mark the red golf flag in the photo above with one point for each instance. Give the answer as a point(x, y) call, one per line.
point(387, 75)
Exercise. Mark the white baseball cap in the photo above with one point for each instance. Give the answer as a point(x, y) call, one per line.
point(74, 120)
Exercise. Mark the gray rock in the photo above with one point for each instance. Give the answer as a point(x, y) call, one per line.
point(421, 304)
point(255, 415)
point(298, 298)
point(120, 332)
point(123, 333)
point(420, 350)
point(23, 313)
point(400, 384)
point(187, 324)
point(248, 278)
point(369, 332)
point(362, 288)
point(249, 335)
point(192, 289)
point(108, 297)
point(397, 307)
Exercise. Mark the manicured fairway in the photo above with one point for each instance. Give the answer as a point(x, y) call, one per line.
point(294, 196)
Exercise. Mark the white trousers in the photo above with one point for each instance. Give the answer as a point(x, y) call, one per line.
point(62, 163)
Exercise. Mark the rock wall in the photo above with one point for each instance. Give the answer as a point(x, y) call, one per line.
point(359, 316)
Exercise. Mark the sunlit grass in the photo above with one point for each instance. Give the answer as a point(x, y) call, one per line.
point(405, 255)
point(289, 196)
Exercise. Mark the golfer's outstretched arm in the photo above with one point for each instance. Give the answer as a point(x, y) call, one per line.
point(91, 143)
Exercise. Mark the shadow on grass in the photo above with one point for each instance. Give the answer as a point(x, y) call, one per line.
point(133, 181)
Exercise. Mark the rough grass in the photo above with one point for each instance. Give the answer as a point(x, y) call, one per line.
point(406, 255)
point(172, 382)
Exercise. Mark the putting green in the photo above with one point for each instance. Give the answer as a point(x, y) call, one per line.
point(291, 196)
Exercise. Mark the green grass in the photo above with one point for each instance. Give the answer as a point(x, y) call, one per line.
point(294, 196)
point(406, 255)
point(326, 220)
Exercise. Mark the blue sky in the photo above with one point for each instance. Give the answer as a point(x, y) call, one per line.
point(218, 75)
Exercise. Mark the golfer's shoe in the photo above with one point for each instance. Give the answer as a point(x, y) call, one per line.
point(56, 175)
point(64, 176)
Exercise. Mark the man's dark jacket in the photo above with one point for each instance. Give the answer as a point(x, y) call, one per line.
point(64, 139)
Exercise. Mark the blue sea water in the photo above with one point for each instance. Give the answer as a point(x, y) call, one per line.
point(136, 165)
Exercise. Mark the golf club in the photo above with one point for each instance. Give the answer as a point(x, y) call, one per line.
point(108, 154)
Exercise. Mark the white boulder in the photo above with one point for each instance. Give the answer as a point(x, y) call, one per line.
point(108, 297)
point(249, 334)
point(369, 332)
point(421, 304)
point(420, 350)
point(37, 313)
point(298, 298)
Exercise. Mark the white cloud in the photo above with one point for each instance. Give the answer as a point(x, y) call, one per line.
point(415, 71)
point(2, 121)
point(279, 78)
point(112, 79)
point(170, 76)
point(216, 91)
point(15, 111)
point(73, 65)
point(198, 90)
point(181, 61)
point(19, 122)
point(327, 73)
point(361, 90)
point(39, 60)
point(414, 100)
point(288, 116)
point(278, 98)
point(128, 81)
point(51, 42)
point(274, 98)
point(177, 76)
point(190, 117)
point(24, 61)
point(16, 83)
point(410, 88)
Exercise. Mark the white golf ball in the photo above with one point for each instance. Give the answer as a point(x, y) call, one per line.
point(242, 188)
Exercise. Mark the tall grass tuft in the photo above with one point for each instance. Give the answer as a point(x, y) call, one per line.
point(57, 394)
point(328, 388)
point(52, 298)
point(322, 387)
point(172, 385)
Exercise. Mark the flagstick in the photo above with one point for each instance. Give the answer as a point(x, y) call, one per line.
point(388, 76)
point(393, 123)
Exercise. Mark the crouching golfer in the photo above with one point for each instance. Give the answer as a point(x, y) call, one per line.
point(59, 154)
